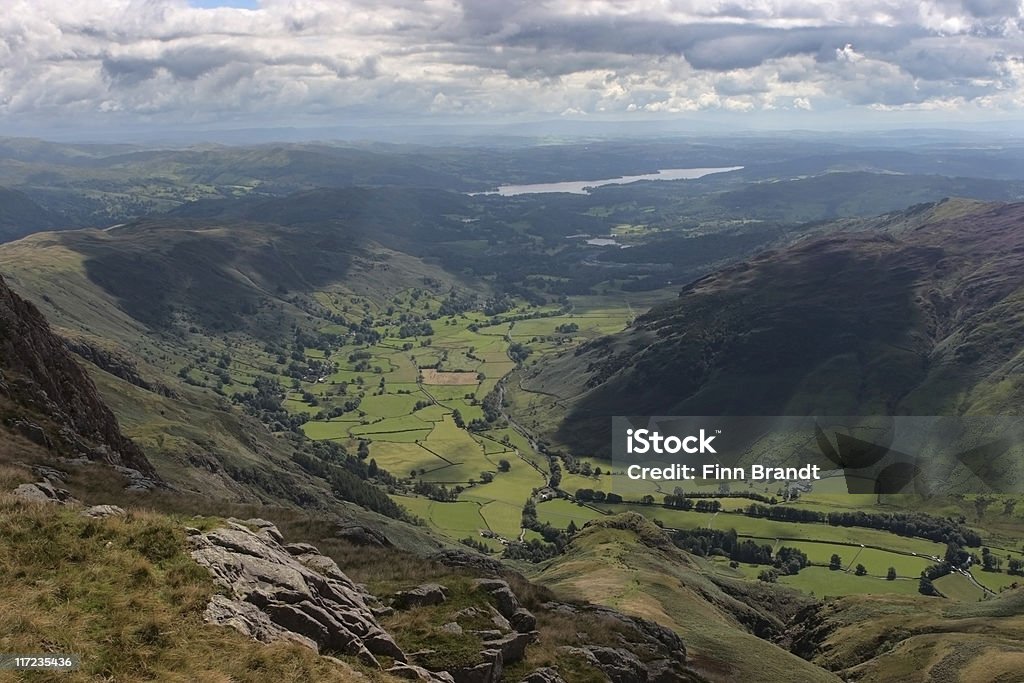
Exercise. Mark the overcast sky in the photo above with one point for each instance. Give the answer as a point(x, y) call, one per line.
point(111, 63)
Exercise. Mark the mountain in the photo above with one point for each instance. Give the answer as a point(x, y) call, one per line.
point(155, 307)
point(47, 398)
point(916, 312)
point(20, 216)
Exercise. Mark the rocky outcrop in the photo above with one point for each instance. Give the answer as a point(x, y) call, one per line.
point(104, 511)
point(117, 365)
point(46, 384)
point(543, 675)
point(649, 652)
point(421, 596)
point(361, 535)
point(275, 592)
point(43, 492)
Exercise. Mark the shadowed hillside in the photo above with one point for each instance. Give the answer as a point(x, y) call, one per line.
point(921, 313)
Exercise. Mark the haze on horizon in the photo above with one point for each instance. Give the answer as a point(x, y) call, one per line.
point(145, 66)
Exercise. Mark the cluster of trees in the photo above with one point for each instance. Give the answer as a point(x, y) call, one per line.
point(491, 407)
point(916, 524)
point(265, 402)
point(592, 496)
point(536, 550)
point(533, 550)
point(518, 352)
point(415, 329)
point(926, 586)
point(438, 492)
point(476, 545)
point(679, 502)
point(705, 542)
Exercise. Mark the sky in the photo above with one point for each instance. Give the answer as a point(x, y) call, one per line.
point(126, 64)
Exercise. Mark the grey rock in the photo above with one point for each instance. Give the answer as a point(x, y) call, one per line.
point(43, 492)
point(104, 511)
point(489, 671)
point(272, 595)
point(523, 620)
point(361, 535)
point(543, 675)
point(50, 474)
point(501, 622)
point(301, 549)
point(512, 646)
point(425, 595)
point(501, 593)
point(137, 481)
point(33, 432)
point(480, 564)
point(451, 627)
point(618, 664)
point(417, 673)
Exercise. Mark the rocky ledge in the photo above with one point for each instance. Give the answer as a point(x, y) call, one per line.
point(274, 591)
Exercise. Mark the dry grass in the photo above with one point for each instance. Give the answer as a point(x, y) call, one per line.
point(125, 596)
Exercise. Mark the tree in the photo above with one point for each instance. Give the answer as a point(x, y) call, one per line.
point(861, 570)
point(487, 477)
point(572, 528)
point(835, 562)
point(989, 561)
point(891, 574)
point(768, 576)
point(504, 465)
point(457, 418)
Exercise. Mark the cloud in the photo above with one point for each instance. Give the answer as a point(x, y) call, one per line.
point(162, 61)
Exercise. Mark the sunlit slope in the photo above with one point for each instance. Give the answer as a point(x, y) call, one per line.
point(628, 563)
point(904, 638)
point(146, 300)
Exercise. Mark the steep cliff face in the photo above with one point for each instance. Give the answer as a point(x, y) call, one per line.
point(49, 398)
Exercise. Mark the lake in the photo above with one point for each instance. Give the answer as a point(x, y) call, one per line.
point(584, 186)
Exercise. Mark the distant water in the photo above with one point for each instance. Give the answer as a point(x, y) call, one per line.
point(584, 186)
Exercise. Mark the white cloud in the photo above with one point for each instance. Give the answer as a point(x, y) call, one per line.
point(165, 61)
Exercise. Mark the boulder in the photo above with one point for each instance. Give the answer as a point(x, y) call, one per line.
point(523, 620)
point(411, 672)
point(421, 596)
point(43, 492)
point(512, 646)
point(543, 675)
point(272, 595)
point(501, 593)
point(488, 671)
point(618, 664)
point(361, 535)
point(104, 511)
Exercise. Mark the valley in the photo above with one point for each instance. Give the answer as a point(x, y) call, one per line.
point(442, 366)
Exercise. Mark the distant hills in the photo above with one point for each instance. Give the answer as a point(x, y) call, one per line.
point(20, 216)
point(920, 311)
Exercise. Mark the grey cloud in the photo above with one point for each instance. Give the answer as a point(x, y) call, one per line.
point(405, 57)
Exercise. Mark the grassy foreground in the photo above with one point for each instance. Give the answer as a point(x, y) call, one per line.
point(124, 595)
